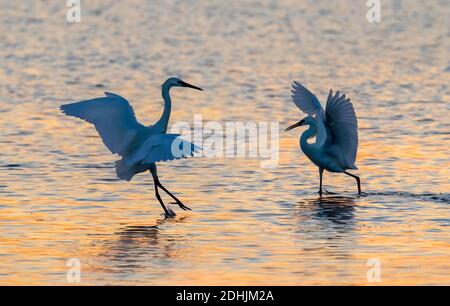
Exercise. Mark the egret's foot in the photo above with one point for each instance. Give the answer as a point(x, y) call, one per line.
point(329, 192)
point(170, 213)
point(363, 194)
point(182, 206)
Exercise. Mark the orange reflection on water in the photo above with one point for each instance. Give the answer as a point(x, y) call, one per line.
point(59, 198)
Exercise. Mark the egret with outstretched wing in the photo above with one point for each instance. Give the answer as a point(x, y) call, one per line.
point(139, 146)
point(335, 130)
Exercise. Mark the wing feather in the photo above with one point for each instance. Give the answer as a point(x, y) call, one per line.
point(162, 147)
point(306, 101)
point(113, 118)
point(343, 129)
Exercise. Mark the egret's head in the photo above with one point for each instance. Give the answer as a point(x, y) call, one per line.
point(305, 121)
point(171, 82)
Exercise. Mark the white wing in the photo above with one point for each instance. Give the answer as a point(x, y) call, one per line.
point(306, 101)
point(343, 129)
point(112, 116)
point(156, 148)
point(161, 147)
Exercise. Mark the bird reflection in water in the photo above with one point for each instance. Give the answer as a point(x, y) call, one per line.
point(337, 209)
point(137, 248)
point(331, 221)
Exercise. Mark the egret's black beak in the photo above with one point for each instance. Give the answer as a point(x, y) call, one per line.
point(184, 84)
point(295, 125)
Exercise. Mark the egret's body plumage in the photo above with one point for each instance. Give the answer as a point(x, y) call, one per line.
point(335, 130)
point(140, 147)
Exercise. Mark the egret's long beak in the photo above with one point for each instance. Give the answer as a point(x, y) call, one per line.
point(295, 125)
point(190, 86)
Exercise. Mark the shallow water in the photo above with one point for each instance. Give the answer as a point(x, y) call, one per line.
point(59, 197)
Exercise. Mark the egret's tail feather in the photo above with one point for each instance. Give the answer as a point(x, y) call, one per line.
point(123, 171)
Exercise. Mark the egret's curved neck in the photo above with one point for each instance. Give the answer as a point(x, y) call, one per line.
point(164, 120)
point(316, 129)
point(309, 133)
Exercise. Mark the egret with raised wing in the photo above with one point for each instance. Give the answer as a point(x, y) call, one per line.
point(140, 147)
point(335, 130)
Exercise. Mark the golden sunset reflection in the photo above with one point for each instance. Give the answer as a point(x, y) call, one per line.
point(60, 199)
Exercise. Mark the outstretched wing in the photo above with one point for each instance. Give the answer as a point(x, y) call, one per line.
point(162, 147)
point(306, 101)
point(112, 116)
point(343, 129)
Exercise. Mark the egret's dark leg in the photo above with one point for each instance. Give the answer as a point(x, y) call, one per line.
point(182, 206)
point(177, 201)
point(168, 212)
point(321, 175)
point(357, 180)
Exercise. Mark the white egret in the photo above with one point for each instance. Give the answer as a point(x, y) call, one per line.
point(335, 130)
point(139, 146)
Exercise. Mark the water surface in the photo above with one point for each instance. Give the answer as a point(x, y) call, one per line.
point(59, 198)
